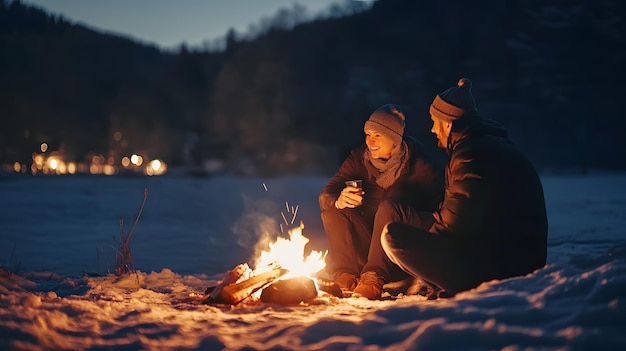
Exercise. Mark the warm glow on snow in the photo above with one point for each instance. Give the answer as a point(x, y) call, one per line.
point(48, 303)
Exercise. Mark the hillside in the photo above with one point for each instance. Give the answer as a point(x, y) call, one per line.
point(293, 101)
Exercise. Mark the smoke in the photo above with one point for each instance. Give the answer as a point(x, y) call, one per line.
point(258, 226)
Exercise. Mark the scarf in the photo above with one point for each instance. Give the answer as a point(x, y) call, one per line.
point(386, 172)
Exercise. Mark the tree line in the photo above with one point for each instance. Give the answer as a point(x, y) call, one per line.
point(294, 98)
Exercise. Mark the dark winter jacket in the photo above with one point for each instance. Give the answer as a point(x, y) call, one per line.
point(494, 207)
point(420, 184)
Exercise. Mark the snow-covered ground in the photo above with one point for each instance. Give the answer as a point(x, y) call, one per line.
point(58, 238)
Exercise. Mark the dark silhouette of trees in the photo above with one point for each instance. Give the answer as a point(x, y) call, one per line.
point(293, 96)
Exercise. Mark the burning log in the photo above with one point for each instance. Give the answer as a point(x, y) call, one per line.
point(330, 288)
point(235, 274)
point(290, 291)
point(234, 293)
point(238, 285)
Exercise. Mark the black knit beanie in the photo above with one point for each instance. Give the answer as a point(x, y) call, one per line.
point(455, 102)
point(387, 120)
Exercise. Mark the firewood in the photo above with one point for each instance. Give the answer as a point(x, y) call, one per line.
point(241, 270)
point(329, 287)
point(235, 293)
point(290, 291)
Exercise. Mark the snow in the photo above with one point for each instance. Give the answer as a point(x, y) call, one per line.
point(57, 246)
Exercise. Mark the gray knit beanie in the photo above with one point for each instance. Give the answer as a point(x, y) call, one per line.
point(455, 102)
point(387, 120)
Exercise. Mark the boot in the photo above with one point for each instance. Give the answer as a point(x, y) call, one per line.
point(370, 286)
point(345, 281)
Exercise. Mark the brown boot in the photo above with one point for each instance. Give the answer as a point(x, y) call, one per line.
point(370, 286)
point(345, 281)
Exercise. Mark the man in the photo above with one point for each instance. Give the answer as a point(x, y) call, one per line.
point(391, 166)
point(492, 222)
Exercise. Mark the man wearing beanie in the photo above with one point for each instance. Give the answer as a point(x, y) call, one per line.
point(393, 168)
point(492, 222)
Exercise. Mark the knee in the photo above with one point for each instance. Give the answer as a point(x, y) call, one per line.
point(389, 237)
point(388, 209)
point(389, 241)
point(344, 217)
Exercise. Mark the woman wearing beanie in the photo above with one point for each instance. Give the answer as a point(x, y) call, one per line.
point(394, 170)
point(492, 222)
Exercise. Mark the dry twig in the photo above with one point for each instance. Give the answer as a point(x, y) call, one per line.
point(124, 263)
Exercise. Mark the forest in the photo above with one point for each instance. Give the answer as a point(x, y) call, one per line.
point(293, 99)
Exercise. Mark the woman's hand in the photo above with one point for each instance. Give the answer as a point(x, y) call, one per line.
point(350, 197)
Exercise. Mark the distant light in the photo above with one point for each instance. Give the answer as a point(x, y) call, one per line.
point(156, 167)
point(125, 161)
point(71, 168)
point(53, 163)
point(155, 164)
point(95, 169)
point(62, 168)
point(108, 170)
point(117, 136)
point(38, 160)
point(17, 167)
point(83, 168)
point(44, 147)
point(136, 159)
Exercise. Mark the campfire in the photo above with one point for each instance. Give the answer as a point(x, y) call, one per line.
point(282, 275)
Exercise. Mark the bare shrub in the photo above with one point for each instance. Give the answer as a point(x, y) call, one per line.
point(124, 262)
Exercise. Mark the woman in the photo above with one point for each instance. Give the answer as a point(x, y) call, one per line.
point(394, 170)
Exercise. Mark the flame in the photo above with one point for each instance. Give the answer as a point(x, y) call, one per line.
point(289, 254)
